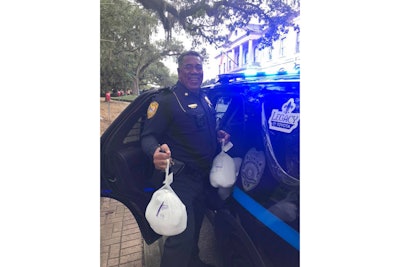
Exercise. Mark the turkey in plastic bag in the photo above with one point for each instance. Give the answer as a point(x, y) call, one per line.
point(223, 170)
point(165, 212)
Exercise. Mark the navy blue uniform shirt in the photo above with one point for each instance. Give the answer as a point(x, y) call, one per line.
point(186, 122)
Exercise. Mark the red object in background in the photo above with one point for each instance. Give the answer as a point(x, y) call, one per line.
point(108, 97)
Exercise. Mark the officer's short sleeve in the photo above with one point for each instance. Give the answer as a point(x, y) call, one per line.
point(157, 120)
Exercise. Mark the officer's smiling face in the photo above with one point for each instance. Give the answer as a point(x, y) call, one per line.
point(190, 73)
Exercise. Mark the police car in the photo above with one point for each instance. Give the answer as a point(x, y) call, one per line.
point(257, 224)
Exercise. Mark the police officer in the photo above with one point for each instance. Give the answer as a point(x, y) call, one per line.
point(181, 126)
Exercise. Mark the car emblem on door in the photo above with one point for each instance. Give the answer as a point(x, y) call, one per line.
point(252, 169)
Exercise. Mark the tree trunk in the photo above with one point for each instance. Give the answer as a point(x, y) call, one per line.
point(135, 89)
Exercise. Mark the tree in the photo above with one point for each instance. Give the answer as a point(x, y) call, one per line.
point(213, 20)
point(158, 74)
point(127, 48)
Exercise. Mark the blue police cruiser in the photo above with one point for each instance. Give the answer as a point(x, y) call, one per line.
point(257, 224)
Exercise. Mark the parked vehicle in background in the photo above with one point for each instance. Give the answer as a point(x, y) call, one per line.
point(258, 224)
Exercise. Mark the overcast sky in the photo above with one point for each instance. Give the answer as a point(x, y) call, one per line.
point(210, 68)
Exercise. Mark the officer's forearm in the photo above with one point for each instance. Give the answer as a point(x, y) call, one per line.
point(149, 145)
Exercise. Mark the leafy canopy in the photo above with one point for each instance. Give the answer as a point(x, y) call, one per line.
point(213, 20)
point(129, 54)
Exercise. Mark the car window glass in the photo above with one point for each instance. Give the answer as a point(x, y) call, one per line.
point(134, 133)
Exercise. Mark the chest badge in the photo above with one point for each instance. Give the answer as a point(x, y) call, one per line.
point(192, 105)
point(152, 109)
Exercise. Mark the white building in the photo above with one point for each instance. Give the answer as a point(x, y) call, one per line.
point(242, 51)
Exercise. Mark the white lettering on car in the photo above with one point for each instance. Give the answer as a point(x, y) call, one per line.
point(284, 120)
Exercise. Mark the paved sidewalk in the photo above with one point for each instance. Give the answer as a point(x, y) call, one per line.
point(121, 242)
point(122, 245)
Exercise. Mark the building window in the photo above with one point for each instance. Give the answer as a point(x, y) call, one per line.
point(282, 47)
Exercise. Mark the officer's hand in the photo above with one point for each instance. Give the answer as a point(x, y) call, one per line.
point(160, 157)
point(223, 136)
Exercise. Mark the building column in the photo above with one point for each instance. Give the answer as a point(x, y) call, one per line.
point(234, 63)
point(250, 59)
point(240, 56)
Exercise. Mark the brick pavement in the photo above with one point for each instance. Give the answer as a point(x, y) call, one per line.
point(121, 242)
point(122, 245)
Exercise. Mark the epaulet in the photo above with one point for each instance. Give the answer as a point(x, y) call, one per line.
point(166, 90)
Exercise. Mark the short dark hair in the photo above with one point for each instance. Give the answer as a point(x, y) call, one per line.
point(188, 53)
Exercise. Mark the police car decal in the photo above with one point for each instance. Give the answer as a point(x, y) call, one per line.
point(252, 169)
point(266, 217)
point(284, 121)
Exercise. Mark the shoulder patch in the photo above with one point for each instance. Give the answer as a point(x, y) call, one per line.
point(152, 109)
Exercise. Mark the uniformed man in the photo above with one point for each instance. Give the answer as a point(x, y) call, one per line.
point(181, 125)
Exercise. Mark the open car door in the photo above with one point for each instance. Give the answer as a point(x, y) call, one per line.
point(125, 169)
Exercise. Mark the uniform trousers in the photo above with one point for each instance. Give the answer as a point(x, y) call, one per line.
point(181, 249)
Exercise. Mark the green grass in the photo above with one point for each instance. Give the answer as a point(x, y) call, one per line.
point(127, 98)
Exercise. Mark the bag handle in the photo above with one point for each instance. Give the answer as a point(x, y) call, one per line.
point(226, 147)
point(168, 176)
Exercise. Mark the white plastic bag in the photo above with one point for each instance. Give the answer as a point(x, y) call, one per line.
point(223, 170)
point(225, 192)
point(165, 212)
